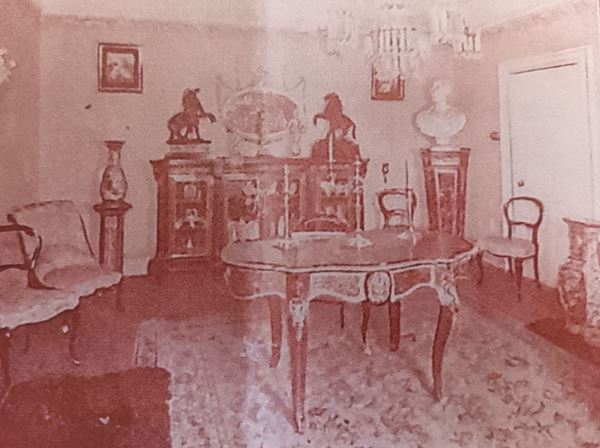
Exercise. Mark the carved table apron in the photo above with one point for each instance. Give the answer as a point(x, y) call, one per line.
point(331, 267)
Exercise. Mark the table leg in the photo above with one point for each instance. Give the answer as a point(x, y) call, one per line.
point(297, 312)
point(74, 320)
point(442, 331)
point(4, 349)
point(366, 316)
point(118, 291)
point(394, 316)
point(276, 325)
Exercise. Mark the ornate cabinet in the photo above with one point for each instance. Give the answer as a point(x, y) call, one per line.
point(204, 204)
point(185, 213)
point(445, 175)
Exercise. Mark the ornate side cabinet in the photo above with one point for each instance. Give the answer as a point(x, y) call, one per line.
point(204, 204)
point(446, 187)
point(185, 210)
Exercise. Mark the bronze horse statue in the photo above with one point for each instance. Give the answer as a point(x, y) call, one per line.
point(333, 113)
point(188, 120)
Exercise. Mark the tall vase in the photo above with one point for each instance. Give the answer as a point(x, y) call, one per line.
point(113, 187)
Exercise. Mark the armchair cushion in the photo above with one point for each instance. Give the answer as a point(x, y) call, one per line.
point(20, 304)
point(505, 247)
point(84, 279)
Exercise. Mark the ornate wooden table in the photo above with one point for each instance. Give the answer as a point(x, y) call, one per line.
point(379, 266)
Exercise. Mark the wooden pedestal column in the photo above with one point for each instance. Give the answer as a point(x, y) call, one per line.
point(112, 214)
point(446, 188)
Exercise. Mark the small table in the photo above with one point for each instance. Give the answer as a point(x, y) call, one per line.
point(341, 267)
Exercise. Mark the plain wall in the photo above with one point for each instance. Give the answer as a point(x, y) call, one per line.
point(19, 104)
point(57, 119)
point(76, 117)
point(569, 25)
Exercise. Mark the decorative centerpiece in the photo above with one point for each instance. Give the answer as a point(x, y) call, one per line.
point(263, 122)
point(441, 121)
point(184, 126)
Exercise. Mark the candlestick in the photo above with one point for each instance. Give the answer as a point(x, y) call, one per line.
point(357, 187)
point(330, 147)
point(286, 199)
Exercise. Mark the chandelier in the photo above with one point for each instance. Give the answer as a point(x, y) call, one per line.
point(395, 36)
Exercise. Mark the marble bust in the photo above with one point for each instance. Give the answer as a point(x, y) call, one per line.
point(441, 121)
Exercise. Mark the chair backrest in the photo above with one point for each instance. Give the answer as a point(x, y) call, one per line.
point(57, 222)
point(524, 212)
point(14, 239)
point(397, 205)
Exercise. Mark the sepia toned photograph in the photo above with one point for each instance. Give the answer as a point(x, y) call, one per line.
point(302, 223)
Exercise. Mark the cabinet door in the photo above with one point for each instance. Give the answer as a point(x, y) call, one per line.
point(335, 195)
point(191, 214)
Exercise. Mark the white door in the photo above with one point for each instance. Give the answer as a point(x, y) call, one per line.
point(548, 150)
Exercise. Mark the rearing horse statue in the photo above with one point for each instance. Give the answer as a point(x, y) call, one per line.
point(333, 113)
point(188, 120)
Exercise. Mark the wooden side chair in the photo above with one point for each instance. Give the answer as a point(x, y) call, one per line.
point(328, 224)
point(516, 249)
point(397, 205)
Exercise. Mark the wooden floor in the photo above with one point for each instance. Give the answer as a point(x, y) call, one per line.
point(106, 340)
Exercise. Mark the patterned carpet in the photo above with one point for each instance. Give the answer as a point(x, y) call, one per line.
point(119, 410)
point(504, 387)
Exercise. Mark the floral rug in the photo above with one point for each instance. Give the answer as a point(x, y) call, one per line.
point(503, 387)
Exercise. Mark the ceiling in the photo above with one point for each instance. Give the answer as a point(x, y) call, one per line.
point(303, 15)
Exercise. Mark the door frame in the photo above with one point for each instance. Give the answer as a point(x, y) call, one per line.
point(583, 55)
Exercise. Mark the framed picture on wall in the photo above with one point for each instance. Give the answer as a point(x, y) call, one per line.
point(119, 68)
point(384, 89)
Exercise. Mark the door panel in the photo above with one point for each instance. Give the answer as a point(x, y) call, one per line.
point(550, 150)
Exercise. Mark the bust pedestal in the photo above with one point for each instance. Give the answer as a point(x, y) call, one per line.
point(445, 173)
point(579, 281)
point(112, 214)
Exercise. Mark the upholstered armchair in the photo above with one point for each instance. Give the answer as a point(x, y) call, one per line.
point(66, 260)
point(23, 298)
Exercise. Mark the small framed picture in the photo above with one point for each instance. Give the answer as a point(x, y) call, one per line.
point(119, 68)
point(386, 90)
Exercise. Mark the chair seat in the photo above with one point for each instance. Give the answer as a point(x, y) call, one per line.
point(20, 305)
point(83, 279)
point(504, 247)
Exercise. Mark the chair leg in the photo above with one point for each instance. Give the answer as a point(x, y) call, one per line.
point(536, 271)
point(73, 319)
point(4, 356)
point(118, 296)
point(342, 316)
point(366, 308)
point(394, 310)
point(519, 275)
point(27, 345)
point(479, 258)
